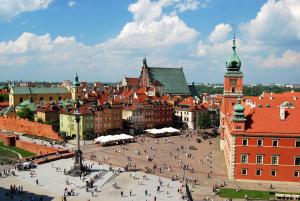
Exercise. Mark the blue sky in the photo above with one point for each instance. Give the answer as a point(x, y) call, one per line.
point(107, 40)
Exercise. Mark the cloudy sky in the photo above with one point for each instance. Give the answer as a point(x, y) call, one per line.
point(107, 40)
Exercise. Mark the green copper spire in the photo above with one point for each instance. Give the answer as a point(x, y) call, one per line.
point(239, 109)
point(234, 63)
point(76, 82)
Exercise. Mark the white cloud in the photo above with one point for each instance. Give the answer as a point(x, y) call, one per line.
point(188, 5)
point(288, 59)
point(276, 22)
point(152, 28)
point(71, 4)
point(11, 8)
point(26, 42)
point(220, 33)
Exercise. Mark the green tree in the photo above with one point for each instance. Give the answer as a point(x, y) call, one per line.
point(26, 113)
point(54, 123)
point(3, 97)
point(204, 120)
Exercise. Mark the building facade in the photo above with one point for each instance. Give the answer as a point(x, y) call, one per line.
point(108, 119)
point(259, 141)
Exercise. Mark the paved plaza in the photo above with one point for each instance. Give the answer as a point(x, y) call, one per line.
point(202, 163)
point(52, 183)
point(164, 158)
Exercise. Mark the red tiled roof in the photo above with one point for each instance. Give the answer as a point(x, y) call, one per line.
point(189, 101)
point(142, 90)
point(133, 82)
point(266, 121)
point(274, 100)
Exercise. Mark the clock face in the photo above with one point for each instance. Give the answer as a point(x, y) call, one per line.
point(233, 82)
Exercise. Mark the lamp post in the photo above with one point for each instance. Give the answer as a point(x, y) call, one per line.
point(78, 153)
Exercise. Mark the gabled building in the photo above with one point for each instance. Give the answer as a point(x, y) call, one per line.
point(165, 80)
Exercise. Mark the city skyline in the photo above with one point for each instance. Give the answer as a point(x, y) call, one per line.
point(51, 40)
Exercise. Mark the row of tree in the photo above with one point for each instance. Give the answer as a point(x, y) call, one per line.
point(247, 90)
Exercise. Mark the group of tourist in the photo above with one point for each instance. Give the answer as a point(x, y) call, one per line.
point(6, 173)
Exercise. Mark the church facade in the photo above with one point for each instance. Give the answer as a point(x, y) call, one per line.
point(164, 80)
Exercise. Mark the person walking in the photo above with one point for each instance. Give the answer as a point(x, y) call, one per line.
point(37, 182)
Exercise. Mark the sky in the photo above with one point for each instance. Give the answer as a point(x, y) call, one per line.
point(106, 40)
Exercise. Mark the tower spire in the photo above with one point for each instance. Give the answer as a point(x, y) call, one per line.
point(233, 41)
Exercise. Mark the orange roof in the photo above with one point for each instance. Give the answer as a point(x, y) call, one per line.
point(266, 122)
point(141, 90)
point(189, 101)
point(274, 100)
point(133, 82)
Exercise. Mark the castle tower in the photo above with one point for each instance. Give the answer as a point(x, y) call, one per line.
point(233, 81)
point(233, 89)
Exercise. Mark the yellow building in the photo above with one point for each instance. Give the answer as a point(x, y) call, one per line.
point(19, 94)
point(86, 124)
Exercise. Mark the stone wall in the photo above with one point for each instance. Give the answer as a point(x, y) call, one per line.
point(28, 127)
point(35, 148)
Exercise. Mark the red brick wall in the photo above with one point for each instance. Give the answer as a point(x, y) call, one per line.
point(8, 140)
point(28, 127)
point(34, 148)
point(285, 168)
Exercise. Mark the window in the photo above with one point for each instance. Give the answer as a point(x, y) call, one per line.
point(244, 158)
point(245, 142)
point(258, 172)
point(298, 143)
point(296, 173)
point(259, 159)
point(21, 100)
point(274, 160)
point(244, 171)
point(297, 160)
point(275, 143)
point(259, 142)
point(273, 173)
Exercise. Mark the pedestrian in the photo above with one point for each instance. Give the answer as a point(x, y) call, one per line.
point(130, 193)
point(37, 182)
point(121, 193)
point(146, 192)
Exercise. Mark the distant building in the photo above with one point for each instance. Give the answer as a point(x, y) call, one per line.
point(19, 94)
point(130, 83)
point(165, 80)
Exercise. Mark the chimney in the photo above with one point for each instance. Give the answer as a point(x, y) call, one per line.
point(282, 113)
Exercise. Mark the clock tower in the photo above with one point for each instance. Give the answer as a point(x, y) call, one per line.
point(233, 90)
point(233, 81)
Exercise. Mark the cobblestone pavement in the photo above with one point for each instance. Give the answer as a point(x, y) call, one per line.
point(52, 182)
point(206, 162)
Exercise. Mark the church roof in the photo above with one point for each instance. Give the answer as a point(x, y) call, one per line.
point(39, 90)
point(173, 79)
